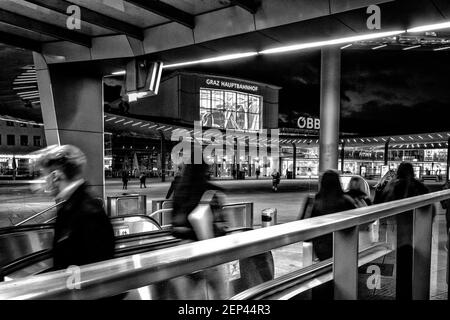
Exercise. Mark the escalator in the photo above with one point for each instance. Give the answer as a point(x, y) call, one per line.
point(25, 241)
point(137, 239)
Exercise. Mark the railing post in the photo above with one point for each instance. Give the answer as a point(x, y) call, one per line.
point(404, 256)
point(345, 264)
point(422, 237)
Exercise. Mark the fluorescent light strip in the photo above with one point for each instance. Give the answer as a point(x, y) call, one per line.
point(346, 46)
point(127, 122)
point(153, 126)
point(443, 48)
point(28, 92)
point(135, 124)
point(117, 73)
point(159, 128)
point(379, 47)
point(430, 27)
point(144, 125)
point(120, 120)
point(23, 82)
point(110, 119)
point(21, 88)
point(332, 42)
point(413, 47)
point(214, 59)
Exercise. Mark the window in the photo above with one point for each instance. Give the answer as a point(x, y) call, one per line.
point(37, 141)
point(36, 126)
point(10, 140)
point(0, 139)
point(24, 141)
point(10, 123)
point(226, 109)
point(22, 125)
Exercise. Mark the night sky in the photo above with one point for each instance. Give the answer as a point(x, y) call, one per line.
point(382, 92)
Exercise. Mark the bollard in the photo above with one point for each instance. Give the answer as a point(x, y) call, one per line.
point(268, 217)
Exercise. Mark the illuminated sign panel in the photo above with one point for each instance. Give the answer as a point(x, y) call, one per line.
point(227, 109)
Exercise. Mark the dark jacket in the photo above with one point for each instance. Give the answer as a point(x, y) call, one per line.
point(359, 197)
point(398, 189)
point(185, 200)
point(323, 245)
point(83, 232)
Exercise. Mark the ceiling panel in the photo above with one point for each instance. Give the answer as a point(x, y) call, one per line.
point(197, 7)
point(45, 15)
point(25, 33)
point(123, 11)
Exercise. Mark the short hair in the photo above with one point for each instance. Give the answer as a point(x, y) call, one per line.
point(67, 158)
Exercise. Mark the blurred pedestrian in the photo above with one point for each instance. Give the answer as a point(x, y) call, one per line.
point(379, 187)
point(258, 172)
point(329, 199)
point(197, 215)
point(275, 179)
point(358, 193)
point(125, 178)
point(404, 185)
point(446, 206)
point(175, 181)
point(83, 232)
point(142, 178)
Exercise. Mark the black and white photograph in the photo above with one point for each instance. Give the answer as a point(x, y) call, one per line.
point(225, 158)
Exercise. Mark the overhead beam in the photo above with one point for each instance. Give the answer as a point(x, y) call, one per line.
point(93, 17)
point(166, 10)
point(44, 28)
point(20, 42)
point(249, 5)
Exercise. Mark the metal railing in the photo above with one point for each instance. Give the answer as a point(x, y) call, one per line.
point(231, 211)
point(39, 214)
point(119, 275)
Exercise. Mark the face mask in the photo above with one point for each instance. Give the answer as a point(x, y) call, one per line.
point(47, 184)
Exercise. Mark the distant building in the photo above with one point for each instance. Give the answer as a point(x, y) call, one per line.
point(19, 138)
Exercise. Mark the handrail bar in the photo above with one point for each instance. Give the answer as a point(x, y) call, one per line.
point(40, 213)
point(119, 275)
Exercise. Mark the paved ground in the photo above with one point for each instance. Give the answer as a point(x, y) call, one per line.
point(18, 202)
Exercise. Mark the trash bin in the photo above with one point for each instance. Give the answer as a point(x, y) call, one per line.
point(268, 217)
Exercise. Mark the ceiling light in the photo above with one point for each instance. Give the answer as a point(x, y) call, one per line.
point(413, 47)
point(302, 46)
point(443, 48)
point(118, 73)
point(214, 59)
point(379, 47)
point(346, 46)
point(430, 27)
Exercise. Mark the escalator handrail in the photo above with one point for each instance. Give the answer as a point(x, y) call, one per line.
point(38, 256)
point(25, 228)
point(299, 276)
point(41, 255)
point(39, 213)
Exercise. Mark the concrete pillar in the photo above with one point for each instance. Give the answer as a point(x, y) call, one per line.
point(72, 109)
point(329, 108)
